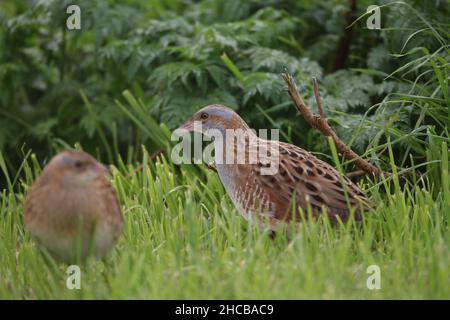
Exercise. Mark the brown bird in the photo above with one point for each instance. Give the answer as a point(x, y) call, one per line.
point(300, 179)
point(72, 208)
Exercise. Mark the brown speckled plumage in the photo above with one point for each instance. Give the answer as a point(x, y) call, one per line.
point(301, 179)
point(73, 201)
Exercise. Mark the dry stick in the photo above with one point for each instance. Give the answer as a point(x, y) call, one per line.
point(317, 96)
point(320, 123)
point(355, 173)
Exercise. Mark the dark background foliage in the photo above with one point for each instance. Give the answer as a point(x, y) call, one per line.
point(60, 87)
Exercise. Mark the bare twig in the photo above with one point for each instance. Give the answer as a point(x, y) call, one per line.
point(320, 123)
point(355, 173)
point(317, 96)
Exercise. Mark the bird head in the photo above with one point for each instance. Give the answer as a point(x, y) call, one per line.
point(214, 117)
point(75, 168)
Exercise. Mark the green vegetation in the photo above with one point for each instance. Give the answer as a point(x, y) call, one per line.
point(137, 69)
point(183, 239)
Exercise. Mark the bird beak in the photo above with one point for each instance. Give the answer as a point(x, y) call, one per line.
point(188, 125)
point(102, 169)
point(107, 169)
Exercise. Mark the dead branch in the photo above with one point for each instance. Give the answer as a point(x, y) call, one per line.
point(317, 96)
point(320, 123)
point(355, 173)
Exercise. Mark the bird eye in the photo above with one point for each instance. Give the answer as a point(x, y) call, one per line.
point(79, 164)
point(204, 116)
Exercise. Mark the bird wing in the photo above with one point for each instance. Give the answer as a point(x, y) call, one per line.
point(109, 208)
point(308, 181)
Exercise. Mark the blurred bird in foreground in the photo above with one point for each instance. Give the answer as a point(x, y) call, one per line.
point(300, 181)
point(72, 209)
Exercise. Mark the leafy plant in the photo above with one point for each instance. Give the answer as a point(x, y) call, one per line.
point(60, 87)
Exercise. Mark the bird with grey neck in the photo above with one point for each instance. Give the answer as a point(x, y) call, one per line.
point(72, 209)
point(300, 183)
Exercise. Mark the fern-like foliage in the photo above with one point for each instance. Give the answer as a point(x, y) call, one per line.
point(59, 87)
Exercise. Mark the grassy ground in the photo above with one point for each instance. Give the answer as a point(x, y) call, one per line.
point(183, 239)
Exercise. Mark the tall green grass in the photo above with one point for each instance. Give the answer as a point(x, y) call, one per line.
point(183, 239)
